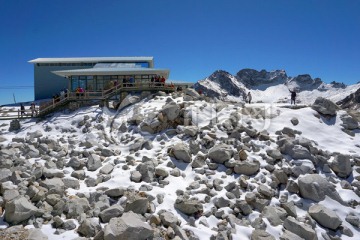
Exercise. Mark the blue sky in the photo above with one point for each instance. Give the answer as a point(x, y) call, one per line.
point(192, 38)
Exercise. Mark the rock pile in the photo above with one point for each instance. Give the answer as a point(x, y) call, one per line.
point(233, 177)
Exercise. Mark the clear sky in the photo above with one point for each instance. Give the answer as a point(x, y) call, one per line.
point(192, 38)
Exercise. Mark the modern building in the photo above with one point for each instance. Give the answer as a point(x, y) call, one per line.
point(51, 75)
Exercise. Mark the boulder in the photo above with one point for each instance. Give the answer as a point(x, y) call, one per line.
point(76, 206)
point(341, 165)
point(273, 214)
point(274, 153)
point(191, 130)
point(324, 216)
point(14, 125)
point(315, 187)
point(115, 192)
point(300, 152)
point(5, 175)
point(192, 92)
point(36, 234)
point(247, 167)
point(259, 234)
point(287, 235)
point(19, 210)
point(93, 162)
point(168, 219)
point(349, 122)
point(135, 176)
point(54, 185)
point(182, 152)
point(137, 204)
point(294, 121)
point(303, 230)
point(171, 111)
point(89, 227)
point(220, 153)
point(130, 226)
point(188, 206)
point(111, 212)
point(325, 106)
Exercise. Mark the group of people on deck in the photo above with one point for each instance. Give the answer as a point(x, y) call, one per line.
point(157, 81)
point(33, 109)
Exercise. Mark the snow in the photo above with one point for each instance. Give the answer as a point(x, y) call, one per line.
point(327, 135)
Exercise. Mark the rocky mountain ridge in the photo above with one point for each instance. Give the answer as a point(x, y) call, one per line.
point(224, 85)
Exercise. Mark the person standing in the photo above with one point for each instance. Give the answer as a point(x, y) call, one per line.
point(293, 96)
point(249, 97)
point(22, 109)
point(33, 110)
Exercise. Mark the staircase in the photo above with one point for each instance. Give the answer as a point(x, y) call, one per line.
point(105, 95)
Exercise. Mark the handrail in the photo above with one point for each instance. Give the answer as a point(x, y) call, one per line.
point(104, 94)
point(8, 113)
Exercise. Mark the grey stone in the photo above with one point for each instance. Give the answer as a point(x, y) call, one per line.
point(19, 210)
point(341, 165)
point(93, 162)
point(220, 153)
point(111, 212)
point(171, 111)
point(324, 216)
point(135, 176)
point(191, 130)
point(247, 167)
point(220, 202)
point(259, 234)
point(76, 206)
point(115, 192)
point(130, 226)
point(289, 208)
point(79, 174)
point(300, 229)
point(89, 227)
point(161, 172)
point(274, 153)
point(325, 106)
point(294, 121)
point(36, 234)
point(287, 235)
point(349, 122)
point(265, 191)
point(315, 187)
point(107, 169)
point(168, 219)
point(275, 215)
point(71, 183)
point(137, 204)
point(353, 220)
point(188, 206)
point(182, 152)
point(54, 185)
point(14, 125)
point(5, 174)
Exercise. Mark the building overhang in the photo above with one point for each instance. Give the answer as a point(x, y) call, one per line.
point(150, 60)
point(113, 71)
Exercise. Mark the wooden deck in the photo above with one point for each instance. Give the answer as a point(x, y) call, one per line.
point(105, 95)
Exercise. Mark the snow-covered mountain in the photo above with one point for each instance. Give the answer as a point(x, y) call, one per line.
point(182, 166)
point(271, 86)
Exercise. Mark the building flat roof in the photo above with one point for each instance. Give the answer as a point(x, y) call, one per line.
point(92, 59)
point(112, 71)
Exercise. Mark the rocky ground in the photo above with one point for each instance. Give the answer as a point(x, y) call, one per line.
point(182, 166)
